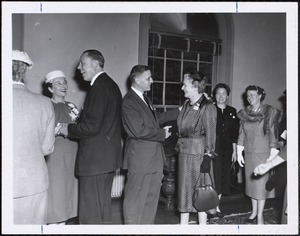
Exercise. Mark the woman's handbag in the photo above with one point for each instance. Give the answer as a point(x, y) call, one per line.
point(234, 170)
point(205, 197)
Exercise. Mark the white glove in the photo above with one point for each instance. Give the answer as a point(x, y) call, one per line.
point(273, 153)
point(240, 157)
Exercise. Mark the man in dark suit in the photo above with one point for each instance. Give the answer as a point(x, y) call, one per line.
point(99, 132)
point(144, 154)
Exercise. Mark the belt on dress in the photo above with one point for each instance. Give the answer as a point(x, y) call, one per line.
point(193, 146)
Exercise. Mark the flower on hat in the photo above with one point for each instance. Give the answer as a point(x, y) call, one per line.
point(22, 56)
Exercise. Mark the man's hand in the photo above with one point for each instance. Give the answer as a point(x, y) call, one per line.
point(57, 129)
point(167, 133)
point(64, 130)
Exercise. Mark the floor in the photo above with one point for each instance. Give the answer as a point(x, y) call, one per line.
point(236, 207)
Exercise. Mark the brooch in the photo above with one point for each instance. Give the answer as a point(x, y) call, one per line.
point(196, 107)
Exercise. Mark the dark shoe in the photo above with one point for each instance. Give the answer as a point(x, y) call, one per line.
point(248, 220)
point(210, 216)
point(220, 214)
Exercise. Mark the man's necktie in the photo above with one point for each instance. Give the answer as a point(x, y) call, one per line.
point(148, 103)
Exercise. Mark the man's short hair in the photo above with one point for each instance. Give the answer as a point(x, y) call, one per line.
point(137, 70)
point(95, 55)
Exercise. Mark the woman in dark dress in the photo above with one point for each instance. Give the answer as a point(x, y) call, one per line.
point(226, 137)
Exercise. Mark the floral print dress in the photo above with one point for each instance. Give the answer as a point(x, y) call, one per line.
point(63, 185)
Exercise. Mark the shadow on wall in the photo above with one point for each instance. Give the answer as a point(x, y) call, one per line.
point(45, 90)
point(82, 84)
point(244, 99)
point(128, 83)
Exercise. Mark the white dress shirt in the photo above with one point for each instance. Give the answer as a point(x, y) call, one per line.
point(140, 94)
point(95, 77)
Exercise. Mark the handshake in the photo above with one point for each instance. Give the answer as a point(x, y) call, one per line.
point(167, 132)
point(61, 130)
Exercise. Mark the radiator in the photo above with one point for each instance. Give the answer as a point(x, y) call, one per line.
point(118, 184)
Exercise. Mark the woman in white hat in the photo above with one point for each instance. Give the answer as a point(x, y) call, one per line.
point(63, 185)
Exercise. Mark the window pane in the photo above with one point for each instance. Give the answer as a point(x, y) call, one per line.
point(188, 66)
point(156, 52)
point(206, 69)
point(160, 109)
point(173, 71)
point(173, 54)
point(173, 92)
point(206, 57)
point(156, 93)
point(157, 68)
point(190, 55)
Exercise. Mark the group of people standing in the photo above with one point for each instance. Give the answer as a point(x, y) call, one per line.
point(83, 151)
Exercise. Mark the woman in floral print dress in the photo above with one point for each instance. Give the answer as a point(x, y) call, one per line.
point(197, 135)
point(63, 185)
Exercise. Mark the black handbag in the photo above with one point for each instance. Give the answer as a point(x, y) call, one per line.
point(234, 170)
point(205, 197)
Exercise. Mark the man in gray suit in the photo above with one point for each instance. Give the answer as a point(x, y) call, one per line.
point(144, 153)
point(33, 138)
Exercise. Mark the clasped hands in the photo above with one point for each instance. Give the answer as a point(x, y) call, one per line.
point(61, 130)
point(240, 158)
point(265, 167)
point(260, 169)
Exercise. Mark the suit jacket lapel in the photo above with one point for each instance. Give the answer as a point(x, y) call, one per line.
point(144, 105)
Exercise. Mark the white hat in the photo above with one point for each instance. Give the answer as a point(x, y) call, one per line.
point(22, 56)
point(54, 74)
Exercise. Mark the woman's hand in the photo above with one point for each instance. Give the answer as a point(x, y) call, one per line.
point(57, 129)
point(240, 157)
point(205, 166)
point(273, 153)
point(262, 168)
point(234, 156)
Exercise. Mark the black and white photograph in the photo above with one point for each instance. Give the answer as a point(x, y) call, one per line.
point(150, 118)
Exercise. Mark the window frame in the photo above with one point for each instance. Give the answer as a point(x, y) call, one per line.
point(213, 63)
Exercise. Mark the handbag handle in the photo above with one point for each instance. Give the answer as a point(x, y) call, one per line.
point(211, 179)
